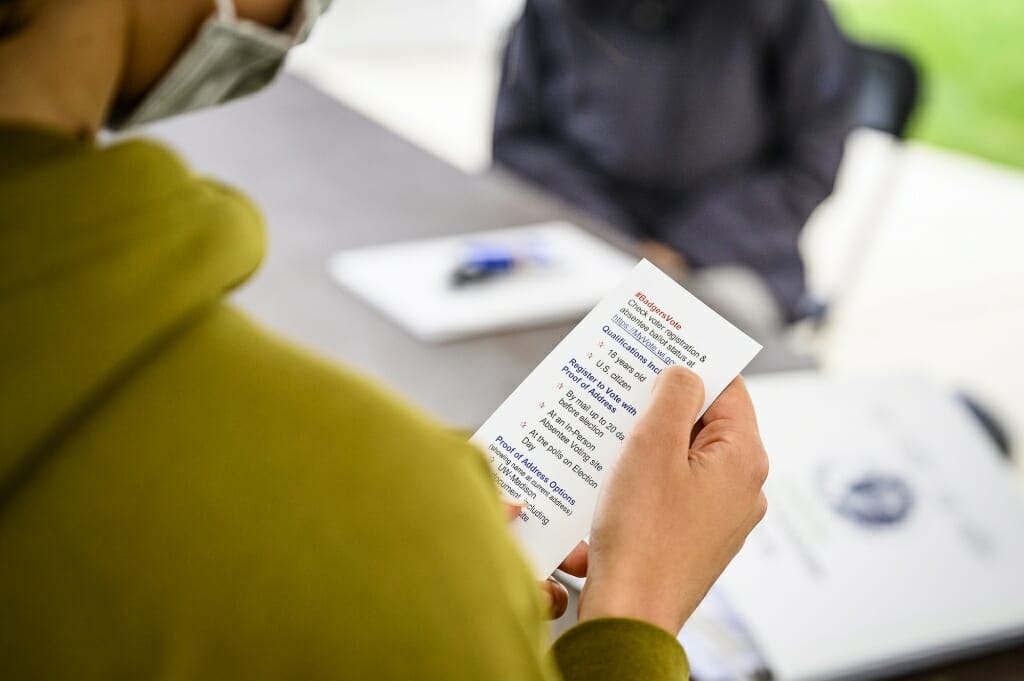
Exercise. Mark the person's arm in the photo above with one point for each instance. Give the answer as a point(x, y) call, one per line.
point(524, 140)
point(619, 649)
point(754, 217)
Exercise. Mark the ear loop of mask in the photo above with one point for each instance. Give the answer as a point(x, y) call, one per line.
point(226, 10)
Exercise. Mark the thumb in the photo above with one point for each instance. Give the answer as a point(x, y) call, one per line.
point(666, 423)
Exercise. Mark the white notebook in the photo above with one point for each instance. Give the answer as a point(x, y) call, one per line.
point(411, 282)
point(894, 536)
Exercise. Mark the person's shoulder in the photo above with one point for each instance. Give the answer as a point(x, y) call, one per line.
point(159, 172)
point(107, 187)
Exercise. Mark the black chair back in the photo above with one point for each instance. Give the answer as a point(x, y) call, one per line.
point(888, 91)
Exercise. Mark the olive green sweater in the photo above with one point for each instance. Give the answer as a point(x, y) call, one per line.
point(184, 495)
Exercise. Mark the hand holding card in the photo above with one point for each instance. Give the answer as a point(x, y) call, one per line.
point(671, 514)
point(555, 438)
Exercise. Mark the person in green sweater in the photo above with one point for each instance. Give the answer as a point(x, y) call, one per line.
point(185, 495)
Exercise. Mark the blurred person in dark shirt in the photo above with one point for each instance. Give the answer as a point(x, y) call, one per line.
point(707, 129)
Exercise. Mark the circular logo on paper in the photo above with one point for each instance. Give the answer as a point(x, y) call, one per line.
point(868, 496)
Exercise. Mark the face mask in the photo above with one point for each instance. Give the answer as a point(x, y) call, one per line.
point(229, 58)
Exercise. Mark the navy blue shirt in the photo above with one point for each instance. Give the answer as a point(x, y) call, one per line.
point(715, 126)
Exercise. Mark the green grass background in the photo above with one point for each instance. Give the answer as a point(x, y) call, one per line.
point(971, 55)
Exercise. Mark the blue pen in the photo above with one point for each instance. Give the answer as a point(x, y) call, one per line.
point(486, 261)
point(482, 266)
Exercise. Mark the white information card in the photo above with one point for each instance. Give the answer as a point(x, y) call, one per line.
point(555, 437)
